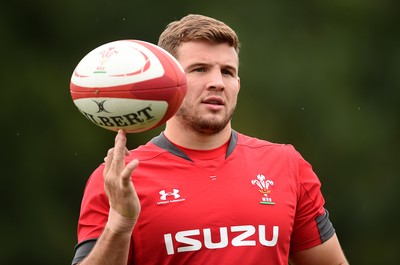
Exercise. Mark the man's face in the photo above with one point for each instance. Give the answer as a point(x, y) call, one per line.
point(213, 85)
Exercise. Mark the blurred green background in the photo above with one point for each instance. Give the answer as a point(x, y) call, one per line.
point(321, 75)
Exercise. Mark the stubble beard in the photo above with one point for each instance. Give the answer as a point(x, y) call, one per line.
point(192, 120)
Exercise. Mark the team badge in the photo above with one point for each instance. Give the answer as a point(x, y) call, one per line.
point(105, 57)
point(264, 186)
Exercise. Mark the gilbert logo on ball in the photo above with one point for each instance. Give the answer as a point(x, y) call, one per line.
point(128, 84)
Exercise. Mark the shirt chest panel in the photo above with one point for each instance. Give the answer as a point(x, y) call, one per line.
point(189, 198)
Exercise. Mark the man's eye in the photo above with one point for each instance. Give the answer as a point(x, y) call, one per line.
point(200, 70)
point(228, 72)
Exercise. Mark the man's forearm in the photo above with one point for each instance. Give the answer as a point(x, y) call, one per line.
point(110, 248)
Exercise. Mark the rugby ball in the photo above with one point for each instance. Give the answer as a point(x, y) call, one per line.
point(128, 84)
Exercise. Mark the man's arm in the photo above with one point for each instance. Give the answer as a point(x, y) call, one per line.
point(113, 245)
point(110, 248)
point(328, 253)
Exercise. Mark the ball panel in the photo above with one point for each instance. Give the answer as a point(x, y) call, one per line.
point(131, 115)
point(152, 89)
point(117, 63)
point(172, 67)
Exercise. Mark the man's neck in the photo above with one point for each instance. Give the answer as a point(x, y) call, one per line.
point(196, 140)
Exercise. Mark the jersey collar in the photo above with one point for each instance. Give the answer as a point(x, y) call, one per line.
point(162, 142)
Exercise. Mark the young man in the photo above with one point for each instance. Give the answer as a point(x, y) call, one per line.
point(202, 193)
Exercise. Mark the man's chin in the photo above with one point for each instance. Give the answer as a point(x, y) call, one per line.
point(210, 127)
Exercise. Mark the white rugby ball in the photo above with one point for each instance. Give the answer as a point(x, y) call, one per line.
point(128, 84)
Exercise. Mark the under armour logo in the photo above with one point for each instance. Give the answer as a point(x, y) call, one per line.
point(100, 105)
point(175, 193)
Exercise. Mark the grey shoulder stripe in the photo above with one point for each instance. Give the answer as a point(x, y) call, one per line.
point(162, 142)
point(232, 144)
point(83, 249)
point(325, 227)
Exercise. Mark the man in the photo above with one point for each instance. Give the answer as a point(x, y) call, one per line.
point(202, 193)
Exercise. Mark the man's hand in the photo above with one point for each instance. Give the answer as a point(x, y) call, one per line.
point(117, 179)
point(113, 245)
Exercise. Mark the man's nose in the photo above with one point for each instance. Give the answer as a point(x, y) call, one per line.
point(216, 81)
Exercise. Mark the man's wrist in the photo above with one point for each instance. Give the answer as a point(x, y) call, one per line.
point(119, 224)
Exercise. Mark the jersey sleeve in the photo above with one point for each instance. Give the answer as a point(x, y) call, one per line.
point(311, 225)
point(93, 216)
point(94, 208)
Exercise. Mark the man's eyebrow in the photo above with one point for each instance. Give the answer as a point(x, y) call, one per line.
point(228, 66)
point(200, 64)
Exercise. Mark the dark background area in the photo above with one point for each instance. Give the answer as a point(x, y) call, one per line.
point(321, 75)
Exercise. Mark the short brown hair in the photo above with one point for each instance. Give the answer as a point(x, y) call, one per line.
point(197, 27)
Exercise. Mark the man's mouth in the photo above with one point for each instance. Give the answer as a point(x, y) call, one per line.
point(213, 100)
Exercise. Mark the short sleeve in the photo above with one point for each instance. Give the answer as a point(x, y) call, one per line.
point(93, 216)
point(311, 225)
point(94, 208)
